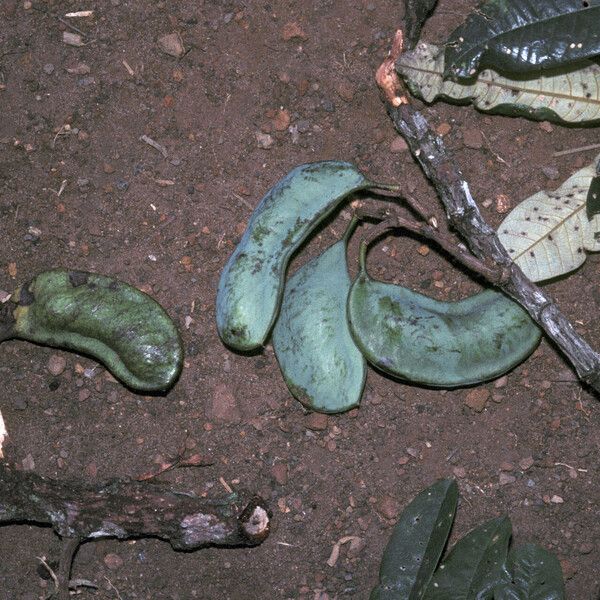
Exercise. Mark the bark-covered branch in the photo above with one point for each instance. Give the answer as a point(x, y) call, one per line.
point(464, 216)
point(124, 508)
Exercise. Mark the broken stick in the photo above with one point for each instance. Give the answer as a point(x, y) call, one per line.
point(464, 216)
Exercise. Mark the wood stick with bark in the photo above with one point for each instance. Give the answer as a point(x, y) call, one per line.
point(464, 216)
point(123, 509)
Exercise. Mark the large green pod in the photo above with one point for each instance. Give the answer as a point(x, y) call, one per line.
point(251, 283)
point(442, 344)
point(319, 360)
point(117, 324)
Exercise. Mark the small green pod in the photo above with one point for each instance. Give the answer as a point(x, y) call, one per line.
point(319, 360)
point(251, 284)
point(114, 322)
point(441, 344)
point(417, 543)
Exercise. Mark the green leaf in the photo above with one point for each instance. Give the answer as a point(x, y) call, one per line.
point(475, 565)
point(521, 36)
point(548, 233)
point(415, 14)
point(417, 543)
point(570, 97)
point(592, 202)
point(536, 575)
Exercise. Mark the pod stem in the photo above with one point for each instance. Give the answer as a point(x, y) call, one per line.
point(351, 228)
point(7, 323)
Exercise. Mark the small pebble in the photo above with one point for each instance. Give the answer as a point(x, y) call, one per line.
point(113, 561)
point(443, 129)
point(473, 138)
point(506, 479)
point(586, 548)
point(550, 172)
point(317, 421)
point(526, 463)
point(56, 364)
point(264, 140)
point(28, 463)
point(557, 499)
point(122, 185)
point(502, 204)
point(280, 472)
point(388, 507)
point(398, 145)
point(48, 68)
point(501, 382)
point(477, 398)
point(459, 472)
point(545, 126)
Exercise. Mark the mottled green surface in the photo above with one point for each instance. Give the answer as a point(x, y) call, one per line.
point(442, 344)
point(319, 360)
point(417, 543)
point(117, 324)
point(251, 283)
point(475, 565)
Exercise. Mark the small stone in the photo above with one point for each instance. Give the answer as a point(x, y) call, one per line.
point(28, 463)
point(78, 69)
point(550, 172)
point(557, 499)
point(459, 472)
point(526, 463)
point(506, 466)
point(84, 394)
point(586, 548)
point(291, 31)
point(345, 90)
point(568, 568)
point(92, 470)
point(423, 250)
point(501, 382)
point(108, 168)
point(222, 406)
point(56, 364)
point(264, 140)
point(72, 39)
point(398, 145)
point(502, 204)
point(473, 138)
point(172, 44)
point(506, 479)
point(373, 398)
point(443, 129)
point(113, 561)
point(279, 471)
point(282, 119)
point(414, 452)
point(19, 403)
point(388, 507)
point(27, 5)
point(48, 68)
point(477, 398)
point(545, 126)
point(122, 185)
point(317, 421)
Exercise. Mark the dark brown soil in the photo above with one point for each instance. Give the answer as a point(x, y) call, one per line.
point(168, 226)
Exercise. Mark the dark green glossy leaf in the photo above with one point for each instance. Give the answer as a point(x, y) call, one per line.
point(417, 543)
point(415, 15)
point(475, 565)
point(592, 203)
point(521, 36)
point(536, 575)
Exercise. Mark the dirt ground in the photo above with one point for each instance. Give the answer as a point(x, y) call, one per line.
point(252, 97)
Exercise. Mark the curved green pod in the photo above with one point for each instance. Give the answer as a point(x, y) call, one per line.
point(114, 322)
point(441, 344)
point(251, 284)
point(319, 360)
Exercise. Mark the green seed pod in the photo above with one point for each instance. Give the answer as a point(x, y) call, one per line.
point(441, 344)
point(417, 543)
point(251, 283)
point(319, 360)
point(117, 324)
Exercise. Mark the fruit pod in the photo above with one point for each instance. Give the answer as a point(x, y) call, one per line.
point(251, 284)
point(318, 358)
point(441, 344)
point(117, 324)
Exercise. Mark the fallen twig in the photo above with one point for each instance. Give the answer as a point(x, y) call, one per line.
point(464, 216)
point(575, 150)
point(155, 145)
point(123, 509)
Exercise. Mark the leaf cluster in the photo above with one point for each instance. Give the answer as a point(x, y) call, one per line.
point(478, 567)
